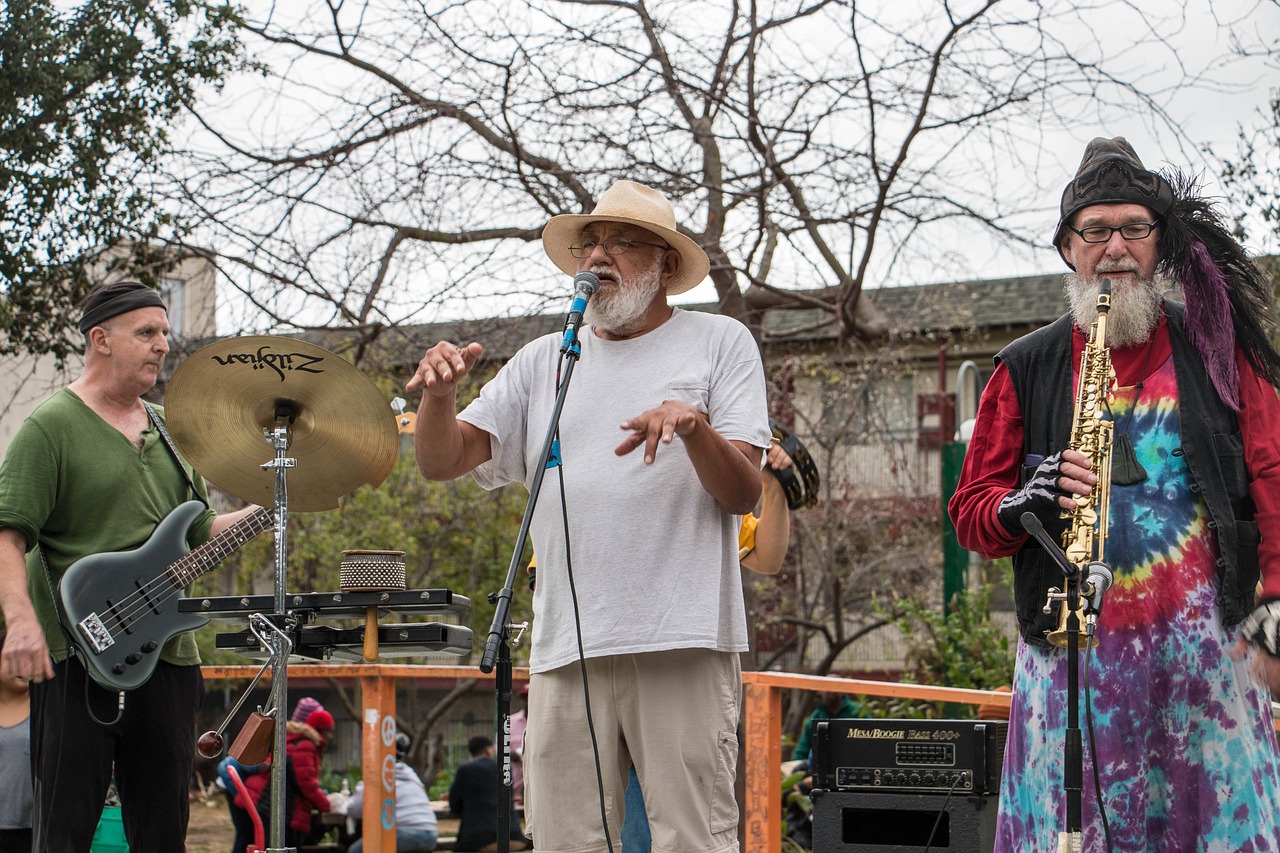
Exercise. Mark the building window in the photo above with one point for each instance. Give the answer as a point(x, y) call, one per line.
point(173, 292)
point(935, 419)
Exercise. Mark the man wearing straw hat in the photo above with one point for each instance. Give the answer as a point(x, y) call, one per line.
point(661, 438)
point(91, 471)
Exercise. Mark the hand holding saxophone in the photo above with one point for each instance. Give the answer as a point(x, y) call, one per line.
point(1052, 487)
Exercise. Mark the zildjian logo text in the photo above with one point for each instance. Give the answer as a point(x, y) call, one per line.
point(277, 361)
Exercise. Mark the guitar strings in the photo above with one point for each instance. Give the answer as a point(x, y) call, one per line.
point(151, 585)
point(126, 611)
point(136, 603)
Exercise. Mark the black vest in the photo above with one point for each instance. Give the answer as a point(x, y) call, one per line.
point(1040, 367)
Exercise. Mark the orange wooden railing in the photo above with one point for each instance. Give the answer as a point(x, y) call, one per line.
point(377, 722)
point(762, 728)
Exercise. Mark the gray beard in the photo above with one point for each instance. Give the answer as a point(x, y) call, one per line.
point(621, 312)
point(1135, 309)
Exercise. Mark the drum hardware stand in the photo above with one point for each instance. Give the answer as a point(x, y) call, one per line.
point(280, 438)
point(1071, 839)
point(272, 632)
point(313, 408)
point(497, 648)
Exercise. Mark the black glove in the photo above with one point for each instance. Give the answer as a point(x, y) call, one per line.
point(1038, 495)
point(1262, 627)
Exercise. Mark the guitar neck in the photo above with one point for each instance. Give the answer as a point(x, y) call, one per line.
point(187, 568)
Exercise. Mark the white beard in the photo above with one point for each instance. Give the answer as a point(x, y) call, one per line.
point(620, 311)
point(1135, 307)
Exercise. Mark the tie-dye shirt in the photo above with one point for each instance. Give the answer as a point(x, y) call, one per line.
point(1185, 744)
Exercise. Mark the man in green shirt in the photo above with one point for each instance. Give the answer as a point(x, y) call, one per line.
point(88, 472)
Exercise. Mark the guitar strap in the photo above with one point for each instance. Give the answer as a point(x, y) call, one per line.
point(168, 442)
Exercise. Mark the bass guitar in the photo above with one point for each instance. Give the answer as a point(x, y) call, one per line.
point(121, 608)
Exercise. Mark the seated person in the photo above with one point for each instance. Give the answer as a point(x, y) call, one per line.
point(415, 819)
point(833, 706)
point(473, 796)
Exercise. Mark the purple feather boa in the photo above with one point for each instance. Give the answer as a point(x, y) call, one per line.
point(1209, 324)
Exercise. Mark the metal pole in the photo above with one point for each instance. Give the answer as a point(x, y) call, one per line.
point(280, 668)
point(955, 560)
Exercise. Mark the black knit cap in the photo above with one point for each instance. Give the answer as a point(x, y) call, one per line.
point(111, 300)
point(1111, 173)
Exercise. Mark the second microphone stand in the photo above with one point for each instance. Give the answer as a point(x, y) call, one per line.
point(1075, 590)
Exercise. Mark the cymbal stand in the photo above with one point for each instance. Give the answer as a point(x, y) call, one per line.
point(280, 438)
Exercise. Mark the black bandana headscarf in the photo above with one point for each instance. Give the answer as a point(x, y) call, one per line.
point(112, 300)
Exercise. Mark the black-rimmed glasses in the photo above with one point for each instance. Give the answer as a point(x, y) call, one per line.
point(1102, 233)
point(611, 247)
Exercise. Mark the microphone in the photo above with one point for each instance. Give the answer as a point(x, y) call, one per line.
point(585, 283)
point(1098, 581)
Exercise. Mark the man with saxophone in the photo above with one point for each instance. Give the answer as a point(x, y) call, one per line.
point(1182, 744)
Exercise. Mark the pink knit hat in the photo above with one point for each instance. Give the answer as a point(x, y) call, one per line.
point(306, 705)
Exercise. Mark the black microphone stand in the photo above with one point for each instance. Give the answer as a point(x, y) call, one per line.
point(1071, 839)
point(497, 648)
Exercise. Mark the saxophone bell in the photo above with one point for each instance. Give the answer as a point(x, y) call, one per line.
point(1058, 636)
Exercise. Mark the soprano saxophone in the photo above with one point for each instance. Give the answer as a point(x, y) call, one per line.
point(1085, 538)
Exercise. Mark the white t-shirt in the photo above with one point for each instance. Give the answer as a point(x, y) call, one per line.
point(655, 558)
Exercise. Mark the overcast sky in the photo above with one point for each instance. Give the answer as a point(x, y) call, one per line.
point(1208, 115)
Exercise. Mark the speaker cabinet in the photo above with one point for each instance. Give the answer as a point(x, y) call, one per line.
point(857, 822)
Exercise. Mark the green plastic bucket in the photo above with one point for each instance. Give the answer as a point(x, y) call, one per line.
point(109, 836)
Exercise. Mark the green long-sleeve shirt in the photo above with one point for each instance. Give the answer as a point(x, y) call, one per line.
point(77, 486)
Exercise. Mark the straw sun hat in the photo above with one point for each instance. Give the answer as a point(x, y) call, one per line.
point(635, 204)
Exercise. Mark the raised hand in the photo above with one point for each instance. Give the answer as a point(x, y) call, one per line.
point(442, 366)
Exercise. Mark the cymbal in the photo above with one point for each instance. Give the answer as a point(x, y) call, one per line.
point(224, 395)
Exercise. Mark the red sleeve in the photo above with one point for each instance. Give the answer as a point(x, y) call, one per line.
point(992, 469)
point(254, 785)
point(306, 767)
point(1259, 421)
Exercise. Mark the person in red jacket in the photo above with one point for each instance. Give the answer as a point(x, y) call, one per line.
point(304, 744)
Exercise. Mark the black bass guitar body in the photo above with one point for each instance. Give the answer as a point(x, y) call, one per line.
point(121, 608)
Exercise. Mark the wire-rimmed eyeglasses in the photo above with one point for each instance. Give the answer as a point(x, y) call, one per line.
point(1102, 233)
point(611, 247)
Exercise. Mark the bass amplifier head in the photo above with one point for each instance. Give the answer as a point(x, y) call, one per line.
point(961, 757)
